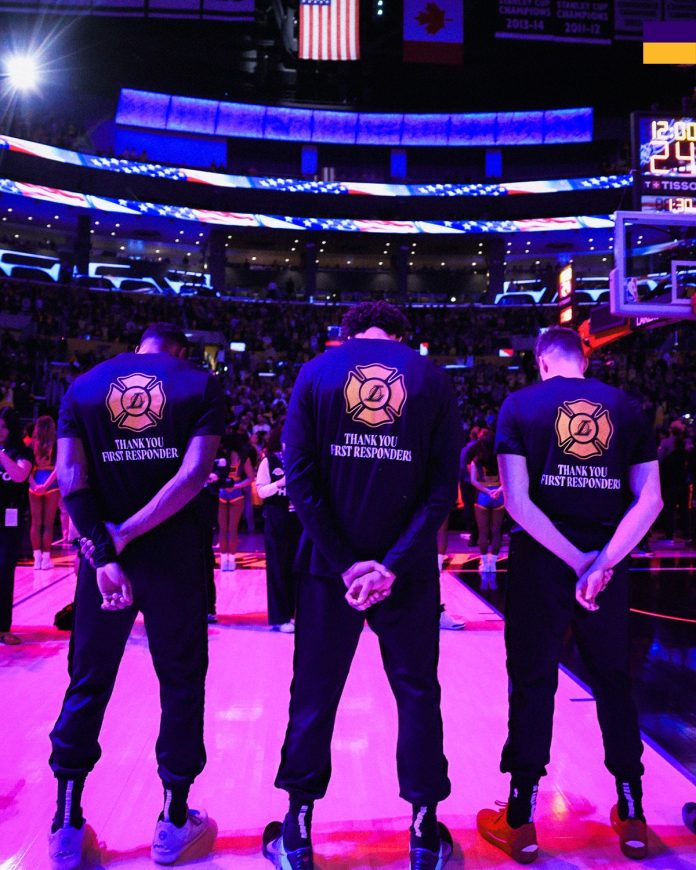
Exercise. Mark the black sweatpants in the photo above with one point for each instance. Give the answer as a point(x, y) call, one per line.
point(539, 609)
point(281, 534)
point(10, 540)
point(169, 588)
point(327, 632)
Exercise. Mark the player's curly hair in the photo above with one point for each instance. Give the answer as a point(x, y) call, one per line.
point(384, 315)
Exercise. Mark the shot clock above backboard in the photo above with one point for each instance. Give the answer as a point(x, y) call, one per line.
point(664, 159)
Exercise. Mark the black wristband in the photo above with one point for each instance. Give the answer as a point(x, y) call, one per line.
point(84, 512)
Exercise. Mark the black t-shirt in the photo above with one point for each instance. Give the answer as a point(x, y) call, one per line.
point(580, 437)
point(135, 415)
point(12, 494)
point(372, 441)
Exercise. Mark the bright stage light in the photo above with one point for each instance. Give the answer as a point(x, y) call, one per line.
point(22, 72)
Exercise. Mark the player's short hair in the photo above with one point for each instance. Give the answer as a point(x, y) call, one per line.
point(169, 336)
point(559, 339)
point(383, 315)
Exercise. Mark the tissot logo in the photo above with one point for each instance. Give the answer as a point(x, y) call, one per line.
point(584, 428)
point(375, 394)
point(136, 402)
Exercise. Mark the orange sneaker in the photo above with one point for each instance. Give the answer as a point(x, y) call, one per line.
point(633, 835)
point(518, 843)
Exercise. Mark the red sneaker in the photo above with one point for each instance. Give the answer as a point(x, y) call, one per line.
point(633, 835)
point(518, 843)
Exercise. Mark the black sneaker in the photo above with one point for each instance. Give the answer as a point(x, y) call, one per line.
point(274, 849)
point(424, 859)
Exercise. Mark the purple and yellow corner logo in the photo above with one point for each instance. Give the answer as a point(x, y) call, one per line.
point(136, 402)
point(583, 428)
point(375, 394)
point(669, 42)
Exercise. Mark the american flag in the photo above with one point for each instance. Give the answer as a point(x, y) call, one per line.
point(329, 30)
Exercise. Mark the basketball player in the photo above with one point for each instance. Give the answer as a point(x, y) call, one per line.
point(372, 448)
point(137, 436)
point(581, 481)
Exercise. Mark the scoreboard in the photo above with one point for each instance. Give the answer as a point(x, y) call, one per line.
point(664, 160)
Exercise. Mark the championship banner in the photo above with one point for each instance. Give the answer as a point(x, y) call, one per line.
point(434, 31)
point(556, 20)
point(631, 16)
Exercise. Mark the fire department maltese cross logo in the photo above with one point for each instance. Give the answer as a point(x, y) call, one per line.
point(375, 395)
point(583, 428)
point(136, 402)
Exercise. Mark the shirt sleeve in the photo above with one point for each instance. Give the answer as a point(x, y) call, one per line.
point(302, 475)
point(68, 426)
point(265, 487)
point(211, 420)
point(508, 436)
point(440, 493)
point(644, 448)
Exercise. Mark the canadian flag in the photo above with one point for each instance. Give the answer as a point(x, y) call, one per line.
point(433, 31)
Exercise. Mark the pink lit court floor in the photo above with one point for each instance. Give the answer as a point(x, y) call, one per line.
point(361, 822)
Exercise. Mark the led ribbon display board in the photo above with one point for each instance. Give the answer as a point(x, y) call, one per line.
point(221, 10)
point(247, 121)
point(664, 150)
point(299, 185)
point(283, 222)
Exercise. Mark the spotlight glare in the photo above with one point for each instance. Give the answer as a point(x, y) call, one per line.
point(22, 72)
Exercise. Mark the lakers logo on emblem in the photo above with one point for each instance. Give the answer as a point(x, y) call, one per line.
point(375, 394)
point(583, 428)
point(136, 402)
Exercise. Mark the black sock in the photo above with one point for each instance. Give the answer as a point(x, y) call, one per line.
point(522, 801)
point(68, 805)
point(630, 794)
point(297, 827)
point(175, 808)
point(423, 830)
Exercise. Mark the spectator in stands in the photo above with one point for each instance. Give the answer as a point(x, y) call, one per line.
point(43, 491)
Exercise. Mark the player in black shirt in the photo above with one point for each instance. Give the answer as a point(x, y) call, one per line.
point(372, 443)
point(137, 436)
point(581, 481)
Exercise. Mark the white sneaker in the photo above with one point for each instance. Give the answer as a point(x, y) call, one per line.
point(492, 563)
point(231, 562)
point(37, 560)
point(66, 848)
point(483, 564)
point(223, 561)
point(170, 842)
point(286, 627)
point(46, 562)
point(451, 623)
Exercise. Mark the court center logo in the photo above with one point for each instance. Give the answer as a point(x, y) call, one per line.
point(136, 402)
point(584, 428)
point(375, 394)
